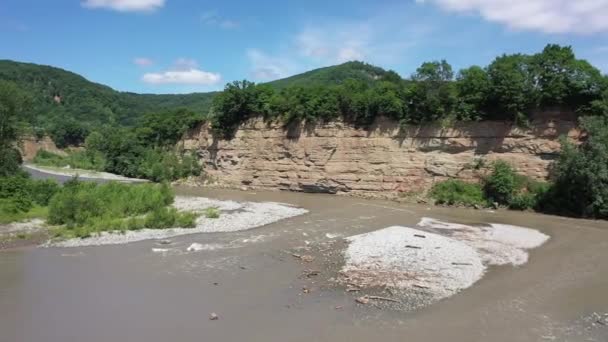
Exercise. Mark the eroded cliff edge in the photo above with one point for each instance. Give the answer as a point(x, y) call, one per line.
point(383, 161)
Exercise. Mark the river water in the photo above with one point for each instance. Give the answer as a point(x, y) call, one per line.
point(253, 283)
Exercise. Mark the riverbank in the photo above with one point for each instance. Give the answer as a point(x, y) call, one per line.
point(233, 217)
point(60, 173)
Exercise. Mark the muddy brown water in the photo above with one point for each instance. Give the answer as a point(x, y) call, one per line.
point(254, 284)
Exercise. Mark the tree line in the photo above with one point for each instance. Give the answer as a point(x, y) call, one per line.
point(510, 88)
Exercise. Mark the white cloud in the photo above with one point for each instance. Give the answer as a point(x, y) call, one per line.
point(143, 61)
point(266, 67)
point(212, 18)
point(185, 72)
point(548, 16)
point(125, 5)
point(336, 43)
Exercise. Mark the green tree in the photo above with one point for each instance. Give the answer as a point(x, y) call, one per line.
point(563, 80)
point(512, 91)
point(473, 87)
point(432, 94)
point(13, 102)
point(581, 174)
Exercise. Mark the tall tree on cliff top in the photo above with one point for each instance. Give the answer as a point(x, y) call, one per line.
point(432, 93)
point(12, 115)
point(563, 80)
point(512, 87)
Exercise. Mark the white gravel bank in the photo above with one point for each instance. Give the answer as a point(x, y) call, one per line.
point(235, 216)
point(406, 258)
point(439, 258)
point(498, 244)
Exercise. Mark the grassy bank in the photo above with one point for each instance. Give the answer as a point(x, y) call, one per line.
point(76, 159)
point(81, 209)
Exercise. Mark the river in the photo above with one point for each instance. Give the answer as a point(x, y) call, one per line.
point(253, 283)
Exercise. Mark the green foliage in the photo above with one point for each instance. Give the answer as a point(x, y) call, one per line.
point(166, 128)
point(80, 159)
point(433, 94)
point(159, 166)
point(237, 103)
point(61, 96)
point(581, 174)
point(510, 88)
point(212, 213)
point(337, 75)
point(512, 93)
point(473, 86)
point(457, 192)
point(16, 190)
point(68, 132)
point(87, 208)
point(41, 191)
point(13, 106)
point(22, 198)
point(10, 161)
point(502, 183)
point(146, 151)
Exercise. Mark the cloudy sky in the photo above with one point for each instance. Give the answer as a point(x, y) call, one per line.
point(176, 46)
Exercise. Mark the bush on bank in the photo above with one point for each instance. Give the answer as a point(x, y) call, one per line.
point(503, 186)
point(84, 208)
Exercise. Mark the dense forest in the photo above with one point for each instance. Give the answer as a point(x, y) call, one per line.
point(511, 88)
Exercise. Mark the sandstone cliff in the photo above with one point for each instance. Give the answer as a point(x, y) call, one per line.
point(384, 161)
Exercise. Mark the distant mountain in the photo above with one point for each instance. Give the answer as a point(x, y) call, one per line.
point(60, 95)
point(334, 75)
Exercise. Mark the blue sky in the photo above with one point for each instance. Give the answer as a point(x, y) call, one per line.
point(178, 46)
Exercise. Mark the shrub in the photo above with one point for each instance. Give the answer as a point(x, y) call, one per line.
point(80, 204)
point(212, 213)
point(43, 190)
point(502, 183)
point(581, 174)
point(169, 217)
point(10, 161)
point(457, 192)
point(81, 159)
point(17, 190)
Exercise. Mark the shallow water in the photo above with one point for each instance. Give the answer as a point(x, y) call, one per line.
point(132, 293)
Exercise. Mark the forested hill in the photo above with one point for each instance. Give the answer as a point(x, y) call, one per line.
point(336, 74)
point(57, 94)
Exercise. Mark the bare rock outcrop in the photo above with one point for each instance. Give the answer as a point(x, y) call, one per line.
point(383, 161)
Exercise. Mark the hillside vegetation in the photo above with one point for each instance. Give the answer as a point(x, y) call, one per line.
point(68, 106)
point(510, 88)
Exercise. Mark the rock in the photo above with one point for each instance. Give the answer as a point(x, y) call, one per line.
point(195, 247)
point(362, 300)
point(495, 205)
point(213, 316)
point(381, 162)
point(164, 242)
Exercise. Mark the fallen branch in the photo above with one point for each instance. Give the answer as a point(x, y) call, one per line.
point(384, 298)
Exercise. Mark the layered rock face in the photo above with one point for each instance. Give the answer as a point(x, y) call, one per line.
point(383, 161)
